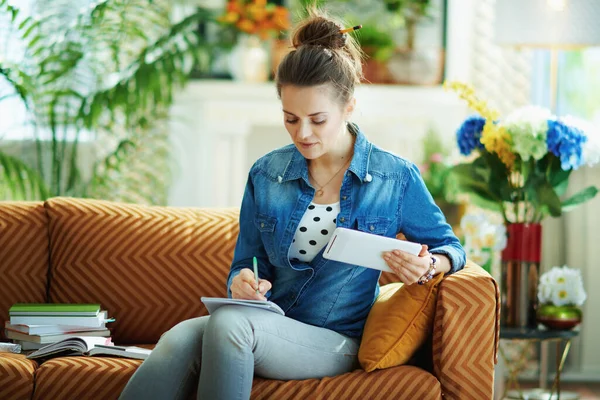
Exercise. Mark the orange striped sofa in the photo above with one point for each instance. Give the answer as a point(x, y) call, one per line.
point(149, 266)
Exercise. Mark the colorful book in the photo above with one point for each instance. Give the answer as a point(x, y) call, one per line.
point(89, 346)
point(45, 339)
point(92, 322)
point(54, 309)
point(49, 329)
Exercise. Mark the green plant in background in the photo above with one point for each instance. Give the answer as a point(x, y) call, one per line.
point(436, 168)
point(98, 79)
point(377, 43)
point(412, 12)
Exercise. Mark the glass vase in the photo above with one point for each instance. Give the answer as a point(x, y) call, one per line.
point(520, 274)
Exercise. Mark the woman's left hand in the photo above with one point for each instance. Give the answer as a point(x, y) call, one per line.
point(409, 268)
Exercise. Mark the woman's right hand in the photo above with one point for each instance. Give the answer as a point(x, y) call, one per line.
point(243, 286)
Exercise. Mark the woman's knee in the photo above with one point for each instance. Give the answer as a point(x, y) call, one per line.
point(231, 323)
point(185, 336)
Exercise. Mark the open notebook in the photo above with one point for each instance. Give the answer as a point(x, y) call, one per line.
point(89, 346)
point(213, 303)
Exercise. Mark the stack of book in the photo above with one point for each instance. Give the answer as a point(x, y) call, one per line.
point(34, 325)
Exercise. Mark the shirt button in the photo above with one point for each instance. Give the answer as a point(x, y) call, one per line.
point(262, 224)
point(372, 228)
point(344, 197)
point(342, 219)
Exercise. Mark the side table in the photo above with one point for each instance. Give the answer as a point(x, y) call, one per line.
point(542, 336)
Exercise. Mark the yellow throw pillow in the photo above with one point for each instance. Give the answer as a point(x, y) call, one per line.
point(398, 324)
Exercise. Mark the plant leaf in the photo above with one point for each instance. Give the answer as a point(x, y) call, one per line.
point(579, 198)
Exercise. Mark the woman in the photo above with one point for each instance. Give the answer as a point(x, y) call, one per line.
point(295, 196)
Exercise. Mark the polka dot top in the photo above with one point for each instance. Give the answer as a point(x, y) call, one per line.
point(314, 231)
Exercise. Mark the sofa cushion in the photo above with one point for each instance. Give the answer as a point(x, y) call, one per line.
point(148, 266)
point(83, 377)
point(398, 324)
point(403, 382)
point(23, 255)
point(16, 376)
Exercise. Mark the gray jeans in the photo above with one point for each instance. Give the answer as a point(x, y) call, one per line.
point(221, 354)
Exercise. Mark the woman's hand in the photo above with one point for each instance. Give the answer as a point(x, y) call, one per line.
point(243, 286)
point(409, 268)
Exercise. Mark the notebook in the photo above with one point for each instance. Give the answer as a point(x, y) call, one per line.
point(214, 303)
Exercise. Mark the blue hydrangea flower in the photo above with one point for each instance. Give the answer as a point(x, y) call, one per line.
point(468, 135)
point(566, 142)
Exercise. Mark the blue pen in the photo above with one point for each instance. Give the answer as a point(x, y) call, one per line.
point(255, 264)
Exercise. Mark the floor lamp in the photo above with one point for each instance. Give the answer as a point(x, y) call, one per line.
point(554, 25)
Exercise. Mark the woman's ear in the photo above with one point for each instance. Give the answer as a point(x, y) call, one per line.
point(350, 108)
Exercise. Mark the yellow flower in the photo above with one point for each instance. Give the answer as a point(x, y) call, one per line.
point(229, 18)
point(494, 137)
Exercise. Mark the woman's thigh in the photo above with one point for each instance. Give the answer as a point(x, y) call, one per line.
point(288, 349)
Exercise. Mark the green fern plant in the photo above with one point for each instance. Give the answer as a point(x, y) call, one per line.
point(102, 74)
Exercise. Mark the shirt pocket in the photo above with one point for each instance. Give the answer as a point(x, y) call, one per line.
point(266, 226)
point(375, 225)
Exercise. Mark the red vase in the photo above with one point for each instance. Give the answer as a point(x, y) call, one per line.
point(520, 274)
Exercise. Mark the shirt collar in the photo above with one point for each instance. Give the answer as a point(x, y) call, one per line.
point(297, 167)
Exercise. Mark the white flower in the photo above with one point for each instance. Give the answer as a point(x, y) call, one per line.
point(562, 286)
point(477, 256)
point(471, 224)
point(528, 127)
point(480, 233)
point(591, 148)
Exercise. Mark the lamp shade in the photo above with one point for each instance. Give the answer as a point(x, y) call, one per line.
point(548, 23)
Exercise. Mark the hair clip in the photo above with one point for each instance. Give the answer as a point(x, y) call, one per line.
point(354, 28)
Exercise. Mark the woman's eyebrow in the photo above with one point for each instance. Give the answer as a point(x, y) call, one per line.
point(310, 115)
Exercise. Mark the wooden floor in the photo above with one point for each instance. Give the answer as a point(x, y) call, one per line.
point(587, 391)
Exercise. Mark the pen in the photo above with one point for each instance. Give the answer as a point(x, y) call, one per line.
point(255, 264)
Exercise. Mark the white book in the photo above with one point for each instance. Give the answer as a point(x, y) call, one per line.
point(25, 345)
point(45, 339)
point(91, 322)
point(49, 329)
point(214, 303)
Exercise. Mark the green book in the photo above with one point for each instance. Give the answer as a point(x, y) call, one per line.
point(66, 309)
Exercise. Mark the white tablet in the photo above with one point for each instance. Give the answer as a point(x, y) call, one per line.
point(365, 249)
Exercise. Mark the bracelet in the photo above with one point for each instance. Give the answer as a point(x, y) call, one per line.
point(429, 274)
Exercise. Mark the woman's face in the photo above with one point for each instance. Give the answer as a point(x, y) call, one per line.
point(315, 119)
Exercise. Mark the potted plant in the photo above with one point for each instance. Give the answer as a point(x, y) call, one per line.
point(255, 22)
point(412, 13)
point(520, 166)
point(101, 95)
point(378, 45)
point(411, 63)
point(561, 294)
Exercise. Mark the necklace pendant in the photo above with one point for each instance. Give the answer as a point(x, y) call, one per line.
point(319, 193)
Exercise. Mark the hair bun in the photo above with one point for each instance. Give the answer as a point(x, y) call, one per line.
point(319, 31)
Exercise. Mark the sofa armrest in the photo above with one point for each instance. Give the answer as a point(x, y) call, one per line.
point(466, 333)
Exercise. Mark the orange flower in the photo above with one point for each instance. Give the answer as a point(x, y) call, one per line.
point(257, 13)
point(245, 25)
point(256, 17)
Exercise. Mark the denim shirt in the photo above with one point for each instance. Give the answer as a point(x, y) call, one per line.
point(381, 193)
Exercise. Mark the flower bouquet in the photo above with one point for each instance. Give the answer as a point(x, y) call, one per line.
point(522, 164)
point(256, 17)
point(560, 293)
